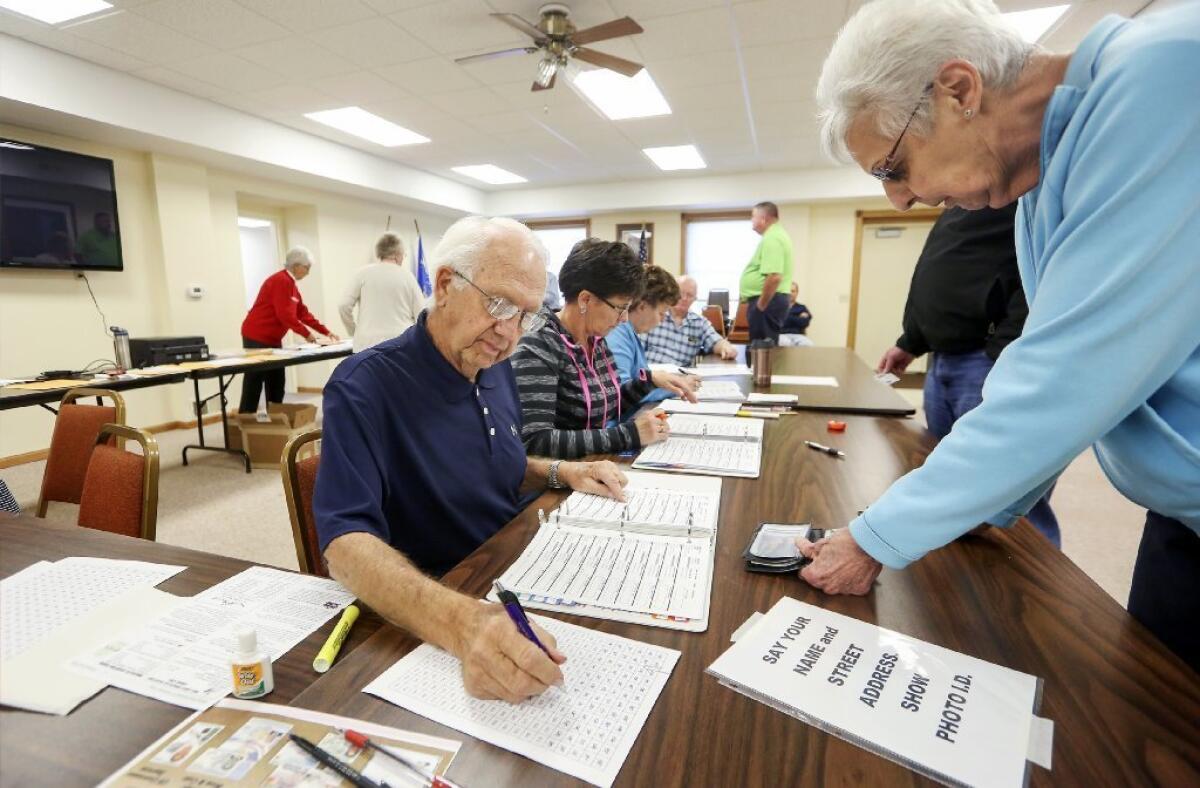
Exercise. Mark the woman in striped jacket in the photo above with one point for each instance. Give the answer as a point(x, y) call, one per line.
point(572, 399)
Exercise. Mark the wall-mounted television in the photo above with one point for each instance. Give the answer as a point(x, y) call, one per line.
point(57, 209)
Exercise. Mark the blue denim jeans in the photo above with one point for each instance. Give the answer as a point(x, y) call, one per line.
point(953, 386)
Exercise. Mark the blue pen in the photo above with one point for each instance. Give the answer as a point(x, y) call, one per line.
point(517, 613)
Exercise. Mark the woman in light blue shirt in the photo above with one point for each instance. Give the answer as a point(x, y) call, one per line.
point(661, 292)
point(1102, 147)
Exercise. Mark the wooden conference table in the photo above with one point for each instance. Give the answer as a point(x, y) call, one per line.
point(1126, 711)
point(11, 397)
point(105, 732)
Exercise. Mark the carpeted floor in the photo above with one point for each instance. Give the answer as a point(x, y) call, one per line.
point(213, 505)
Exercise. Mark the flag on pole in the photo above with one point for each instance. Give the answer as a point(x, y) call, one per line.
point(642, 246)
point(421, 271)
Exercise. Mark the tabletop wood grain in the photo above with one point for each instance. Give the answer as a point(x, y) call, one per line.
point(1126, 711)
point(101, 735)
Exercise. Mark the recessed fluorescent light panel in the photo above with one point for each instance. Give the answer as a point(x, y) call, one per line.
point(52, 12)
point(252, 224)
point(676, 157)
point(489, 173)
point(1034, 23)
point(360, 123)
point(620, 97)
point(14, 145)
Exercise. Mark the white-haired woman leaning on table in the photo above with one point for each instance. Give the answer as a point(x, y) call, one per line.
point(946, 105)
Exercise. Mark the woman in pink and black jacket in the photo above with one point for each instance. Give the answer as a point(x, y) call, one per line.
point(572, 398)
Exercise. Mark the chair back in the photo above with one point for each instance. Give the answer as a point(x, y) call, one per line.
point(75, 430)
point(120, 490)
point(741, 325)
point(719, 298)
point(299, 481)
point(716, 318)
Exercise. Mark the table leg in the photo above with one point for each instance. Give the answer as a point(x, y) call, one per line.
point(222, 385)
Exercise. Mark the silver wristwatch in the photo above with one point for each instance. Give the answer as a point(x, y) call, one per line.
point(554, 482)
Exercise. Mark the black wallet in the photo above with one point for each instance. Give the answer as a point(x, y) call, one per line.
point(779, 535)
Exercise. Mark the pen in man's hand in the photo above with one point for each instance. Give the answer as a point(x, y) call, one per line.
point(517, 613)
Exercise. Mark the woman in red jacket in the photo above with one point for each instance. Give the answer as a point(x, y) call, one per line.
point(277, 310)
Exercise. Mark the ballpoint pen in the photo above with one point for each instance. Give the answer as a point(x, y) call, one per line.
point(832, 452)
point(348, 773)
point(517, 613)
point(361, 741)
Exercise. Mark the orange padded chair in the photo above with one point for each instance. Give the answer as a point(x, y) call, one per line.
point(299, 480)
point(120, 491)
point(75, 430)
point(716, 317)
point(741, 326)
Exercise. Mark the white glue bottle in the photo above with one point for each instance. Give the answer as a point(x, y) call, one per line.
point(251, 668)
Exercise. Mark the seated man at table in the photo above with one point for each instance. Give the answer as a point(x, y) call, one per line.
point(683, 334)
point(422, 459)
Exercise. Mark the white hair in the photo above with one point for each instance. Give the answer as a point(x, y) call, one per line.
point(297, 256)
point(890, 51)
point(464, 243)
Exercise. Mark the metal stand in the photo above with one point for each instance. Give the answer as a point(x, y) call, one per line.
point(222, 384)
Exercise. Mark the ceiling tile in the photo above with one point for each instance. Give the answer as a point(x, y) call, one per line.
point(361, 87)
point(459, 26)
point(502, 122)
point(693, 70)
point(303, 16)
point(295, 98)
point(372, 43)
point(652, 9)
point(231, 72)
point(694, 33)
point(783, 22)
point(137, 36)
point(96, 53)
point(468, 103)
point(298, 58)
point(392, 6)
point(428, 77)
point(176, 81)
point(220, 23)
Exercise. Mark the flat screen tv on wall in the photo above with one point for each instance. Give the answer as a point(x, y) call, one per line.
point(57, 209)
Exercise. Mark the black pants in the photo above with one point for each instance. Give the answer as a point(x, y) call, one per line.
point(766, 324)
point(1166, 586)
point(252, 383)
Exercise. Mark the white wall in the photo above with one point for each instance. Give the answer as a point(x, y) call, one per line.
point(178, 227)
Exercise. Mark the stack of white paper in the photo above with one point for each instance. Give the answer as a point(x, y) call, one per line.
point(710, 408)
point(696, 426)
point(719, 370)
point(183, 656)
point(720, 391)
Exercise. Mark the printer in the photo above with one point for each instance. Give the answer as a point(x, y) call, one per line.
point(152, 351)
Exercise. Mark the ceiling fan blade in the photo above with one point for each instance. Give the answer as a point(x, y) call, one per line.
point(614, 29)
point(517, 23)
point(499, 53)
point(536, 87)
point(611, 62)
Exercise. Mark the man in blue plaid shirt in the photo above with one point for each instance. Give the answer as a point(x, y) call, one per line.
point(683, 334)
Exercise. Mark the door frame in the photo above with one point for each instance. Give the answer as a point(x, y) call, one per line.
point(862, 219)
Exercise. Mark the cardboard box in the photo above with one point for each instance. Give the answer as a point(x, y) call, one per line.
point(265, 441)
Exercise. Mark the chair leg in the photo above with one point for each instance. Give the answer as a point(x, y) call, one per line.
point(41, 509)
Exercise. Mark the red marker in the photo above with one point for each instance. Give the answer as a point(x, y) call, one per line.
point(361, 741)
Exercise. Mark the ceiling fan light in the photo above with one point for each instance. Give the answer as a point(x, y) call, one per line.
point(546, 69)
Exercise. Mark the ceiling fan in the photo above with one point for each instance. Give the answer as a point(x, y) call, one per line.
point(556, 37)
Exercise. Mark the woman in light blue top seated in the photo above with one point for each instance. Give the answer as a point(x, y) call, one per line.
point(660, 294)
point(946, 104)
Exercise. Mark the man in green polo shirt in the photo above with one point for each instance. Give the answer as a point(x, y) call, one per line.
point(767, 280)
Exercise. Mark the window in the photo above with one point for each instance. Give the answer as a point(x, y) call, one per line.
point(716, 247)
point(558, 236)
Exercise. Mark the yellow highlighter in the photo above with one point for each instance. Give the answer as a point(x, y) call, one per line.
point(329, 651)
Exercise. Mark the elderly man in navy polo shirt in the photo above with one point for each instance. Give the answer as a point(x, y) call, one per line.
point(422, 458)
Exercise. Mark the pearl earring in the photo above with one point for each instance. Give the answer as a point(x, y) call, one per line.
point(583, 310)
point(967, 114)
